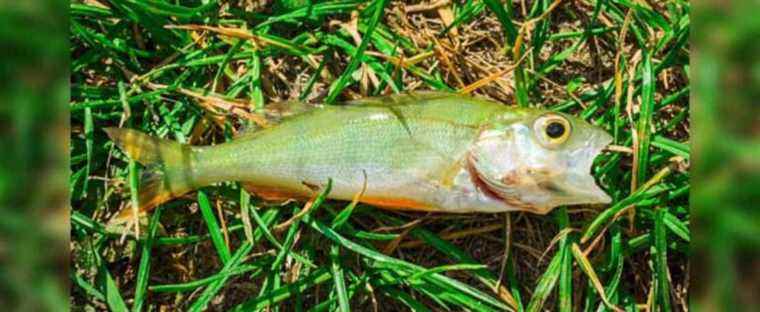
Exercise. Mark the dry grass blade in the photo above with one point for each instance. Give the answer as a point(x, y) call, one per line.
point(589, 270)
point(214, 104)
point(490, 78)
point(402, 62)
point(306, 208)
point(259, 41)
point(422, 7)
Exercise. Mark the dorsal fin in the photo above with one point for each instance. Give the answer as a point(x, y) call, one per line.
point(391, 102)
point(276, 113)
point(282, 110)
point(400, 98)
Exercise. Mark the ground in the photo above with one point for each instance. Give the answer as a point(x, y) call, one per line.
point(198, 73)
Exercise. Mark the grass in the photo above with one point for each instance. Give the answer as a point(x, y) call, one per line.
point(194, 72)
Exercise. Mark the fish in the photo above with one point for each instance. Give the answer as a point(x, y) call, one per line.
point(425, 151)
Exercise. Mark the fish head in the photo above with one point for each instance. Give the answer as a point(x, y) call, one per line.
point(537, 160)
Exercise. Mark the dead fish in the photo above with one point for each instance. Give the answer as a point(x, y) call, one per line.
point(425, 152)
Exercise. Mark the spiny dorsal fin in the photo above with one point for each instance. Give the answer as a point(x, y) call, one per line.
point(391, 102)
point(278, 112)
point(407, 98)
point(281, 110)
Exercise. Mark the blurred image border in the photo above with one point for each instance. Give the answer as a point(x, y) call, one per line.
point(34, 136)
point(34, 205)
point(725, 268)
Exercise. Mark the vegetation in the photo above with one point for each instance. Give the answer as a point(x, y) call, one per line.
point(199, 71)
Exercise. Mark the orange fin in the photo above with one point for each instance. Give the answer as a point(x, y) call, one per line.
point(152, 192)
point(277, 194)
point(163, 177)
point(273, 194)
point(398, 204)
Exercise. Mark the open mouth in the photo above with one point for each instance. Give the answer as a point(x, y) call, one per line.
point(586, 189)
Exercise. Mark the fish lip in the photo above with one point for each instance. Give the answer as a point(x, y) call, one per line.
point(590, 189)
point(602, 140)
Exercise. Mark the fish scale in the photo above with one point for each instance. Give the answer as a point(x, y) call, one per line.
point(343, 143)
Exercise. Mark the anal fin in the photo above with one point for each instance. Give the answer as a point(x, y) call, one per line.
point(402, 204)
point(273, 194)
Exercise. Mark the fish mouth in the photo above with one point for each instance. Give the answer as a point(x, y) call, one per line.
point(580, 181)
point(585, 190)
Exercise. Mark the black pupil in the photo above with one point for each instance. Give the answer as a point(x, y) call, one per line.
point(555, 130)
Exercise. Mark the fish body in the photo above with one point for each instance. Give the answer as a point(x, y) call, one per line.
point(427, 151)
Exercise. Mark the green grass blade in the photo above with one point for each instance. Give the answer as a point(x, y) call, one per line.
point(616, 263)
point(677, 226)
point(107, 286)
point(339, 279)
point(225, 62)
point(661, 272)
point(633, 199)
point(89, 137)
point(190, 286)
point(674, 147)
point(286, 247)
point(113, 297)
point(455, 253)
point(257, 95)
point(213, 227)
point(644, 123)
point(337, 87)
point(381, 258)
point(343, 216)
point(212, 289)
point(503, 16)
point(87, 287)
point(566, 264)
point(546, 283)
point(587, 268)
point(203, 300)
point(143, 271)
point(405, 298)
point(277, 295)
point(449, 267)
point(245, 214)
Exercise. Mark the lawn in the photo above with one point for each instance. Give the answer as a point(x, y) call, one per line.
point(197, 71)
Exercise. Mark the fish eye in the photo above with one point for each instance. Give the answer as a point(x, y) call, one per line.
point(553, 129)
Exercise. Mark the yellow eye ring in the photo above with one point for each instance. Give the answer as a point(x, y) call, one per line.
point(553, 129)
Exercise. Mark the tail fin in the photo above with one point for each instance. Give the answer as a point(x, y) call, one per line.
point(168, 168)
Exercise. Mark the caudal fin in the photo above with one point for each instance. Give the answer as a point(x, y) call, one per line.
point(167, 171)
